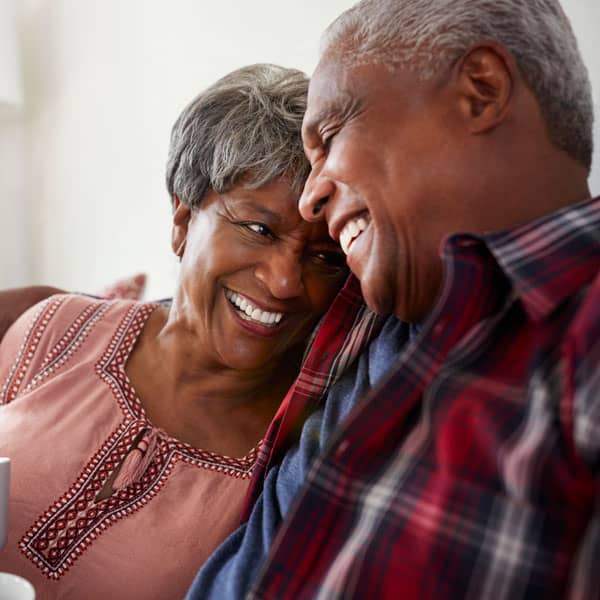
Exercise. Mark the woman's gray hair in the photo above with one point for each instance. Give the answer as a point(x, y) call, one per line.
point(243, 130)
point(428, 36)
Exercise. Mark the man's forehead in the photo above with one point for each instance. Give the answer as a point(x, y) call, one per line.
point(341, 87)
point(321, 111)
point(329, 96)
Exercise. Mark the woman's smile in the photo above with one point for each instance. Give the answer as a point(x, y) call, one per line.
point(260, 276)
point(252, 317)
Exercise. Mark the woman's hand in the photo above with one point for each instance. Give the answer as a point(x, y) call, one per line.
point(15, 302)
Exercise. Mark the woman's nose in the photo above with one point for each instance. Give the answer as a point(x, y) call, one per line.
point(281, 273)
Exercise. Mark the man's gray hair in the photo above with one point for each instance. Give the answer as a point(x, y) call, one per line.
point(428, 36)
point(243, 130)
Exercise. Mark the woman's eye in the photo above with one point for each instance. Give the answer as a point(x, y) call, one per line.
point(259, 228)
point(330, 260)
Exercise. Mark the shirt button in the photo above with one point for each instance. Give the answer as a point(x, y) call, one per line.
point(439, 327)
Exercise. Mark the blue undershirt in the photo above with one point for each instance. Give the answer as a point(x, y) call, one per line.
point(233, 567)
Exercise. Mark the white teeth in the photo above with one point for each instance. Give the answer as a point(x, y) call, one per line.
point(252, 313)
point(345, 238)
point(351, 231)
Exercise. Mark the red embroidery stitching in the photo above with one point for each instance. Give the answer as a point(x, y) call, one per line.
point(68, 527)
point(16, 376)
point(69, 343)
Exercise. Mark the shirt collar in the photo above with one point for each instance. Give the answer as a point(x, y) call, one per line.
point(550, 258)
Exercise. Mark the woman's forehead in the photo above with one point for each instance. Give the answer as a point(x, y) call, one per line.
point(275, 204)
point(275, 200)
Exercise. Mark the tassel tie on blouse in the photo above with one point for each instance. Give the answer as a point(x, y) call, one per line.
point(138, 459)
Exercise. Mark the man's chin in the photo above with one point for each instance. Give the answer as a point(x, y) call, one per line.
point(379, 298)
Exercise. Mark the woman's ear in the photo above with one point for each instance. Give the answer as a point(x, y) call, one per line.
point(181, 220)
point(486, 76)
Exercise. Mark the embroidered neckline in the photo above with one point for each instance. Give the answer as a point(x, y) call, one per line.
point(111, 369)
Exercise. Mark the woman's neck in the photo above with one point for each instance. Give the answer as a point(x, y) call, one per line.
point(205, 404)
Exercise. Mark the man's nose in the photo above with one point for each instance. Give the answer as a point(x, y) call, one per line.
point(281, 273)
point(316, 194)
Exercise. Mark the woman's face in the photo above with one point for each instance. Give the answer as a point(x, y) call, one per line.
point(255, 277)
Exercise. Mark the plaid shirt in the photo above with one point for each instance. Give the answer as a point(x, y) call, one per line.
point(471, 471)
point(343, 333)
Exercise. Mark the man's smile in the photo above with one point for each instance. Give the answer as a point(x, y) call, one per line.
point(352, 230)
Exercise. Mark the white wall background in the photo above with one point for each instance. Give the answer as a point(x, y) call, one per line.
point(82, 196)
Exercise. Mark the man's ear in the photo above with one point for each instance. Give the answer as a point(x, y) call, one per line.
point(181, 221)
point(486, 76)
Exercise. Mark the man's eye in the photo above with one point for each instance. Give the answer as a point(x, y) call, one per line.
point(326, 142)
point(259, 228)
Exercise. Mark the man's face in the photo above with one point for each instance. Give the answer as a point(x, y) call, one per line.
point(387, 155)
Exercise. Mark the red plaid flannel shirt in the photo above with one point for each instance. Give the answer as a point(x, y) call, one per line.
point(343, 333)
point(471, 471)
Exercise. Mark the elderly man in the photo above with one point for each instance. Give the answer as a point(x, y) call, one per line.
point(450, 143)
point(458, 456)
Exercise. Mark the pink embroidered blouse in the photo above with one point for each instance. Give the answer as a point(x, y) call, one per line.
point(68, 419)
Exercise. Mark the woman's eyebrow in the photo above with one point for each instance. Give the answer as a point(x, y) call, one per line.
point(262, 211)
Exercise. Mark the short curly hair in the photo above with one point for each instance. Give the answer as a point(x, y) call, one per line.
point(243, 130)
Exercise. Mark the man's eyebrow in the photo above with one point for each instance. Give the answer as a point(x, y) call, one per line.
point(311, 127)
point(339, 109)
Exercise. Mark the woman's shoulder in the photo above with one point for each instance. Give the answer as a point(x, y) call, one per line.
point(51, 316)
point(60, 323)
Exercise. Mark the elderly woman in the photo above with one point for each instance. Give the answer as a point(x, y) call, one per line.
point(134, 427)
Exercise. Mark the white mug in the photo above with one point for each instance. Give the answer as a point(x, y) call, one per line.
point(4, 493)
point(13, 587)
